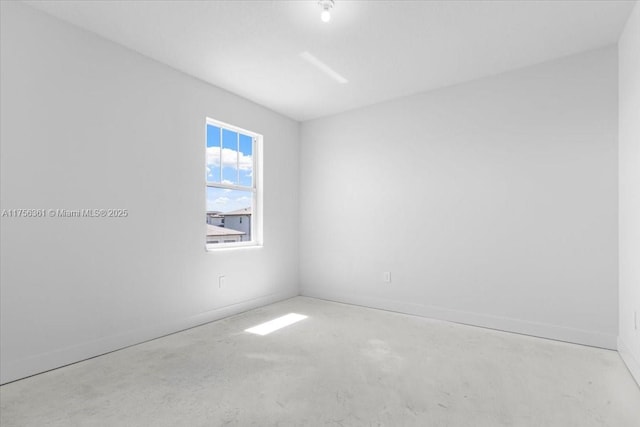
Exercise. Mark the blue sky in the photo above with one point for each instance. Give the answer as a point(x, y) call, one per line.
point(224, 200)
point(232, 152)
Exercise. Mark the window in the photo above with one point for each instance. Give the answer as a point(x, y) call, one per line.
point(233, 186)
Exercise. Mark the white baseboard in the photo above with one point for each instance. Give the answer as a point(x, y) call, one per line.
point(13, 370)
point(632, 363)
point(559, 333)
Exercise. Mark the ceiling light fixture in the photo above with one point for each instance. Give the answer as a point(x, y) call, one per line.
point(326, 6)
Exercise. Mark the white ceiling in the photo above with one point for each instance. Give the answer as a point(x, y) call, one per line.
point(385, 49)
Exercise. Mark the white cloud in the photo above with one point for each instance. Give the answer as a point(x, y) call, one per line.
point(229, 158)
point(243, 199)
point(222, 200)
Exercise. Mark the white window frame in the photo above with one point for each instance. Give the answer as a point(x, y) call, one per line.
point(255, 189)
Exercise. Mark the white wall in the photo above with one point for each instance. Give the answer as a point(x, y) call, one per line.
point(496, 201)
point(629, 182)
point(87, 123)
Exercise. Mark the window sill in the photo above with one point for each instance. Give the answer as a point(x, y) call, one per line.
point(217, 247)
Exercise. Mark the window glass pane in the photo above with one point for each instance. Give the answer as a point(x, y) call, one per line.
point(246, 160)
point(229, 157)
point(213, 153)
point(229, 215)
point(225, 200)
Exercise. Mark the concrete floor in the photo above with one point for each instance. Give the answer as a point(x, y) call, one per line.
point(342, 366)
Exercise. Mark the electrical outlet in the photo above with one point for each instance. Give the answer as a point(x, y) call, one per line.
point(386, 277)
point(221, 281)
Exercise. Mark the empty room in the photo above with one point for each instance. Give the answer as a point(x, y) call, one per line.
point(320, 213)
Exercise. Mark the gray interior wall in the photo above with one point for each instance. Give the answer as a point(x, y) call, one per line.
point(629, 164)
point(87, 123)
point(492, 203)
